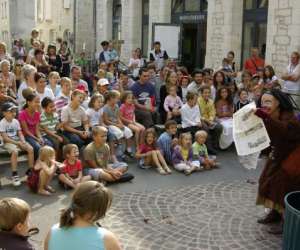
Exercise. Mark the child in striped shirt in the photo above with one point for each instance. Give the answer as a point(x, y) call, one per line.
point(50, 124)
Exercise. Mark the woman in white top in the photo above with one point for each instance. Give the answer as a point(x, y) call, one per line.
point(28, 72)
point(41, 89)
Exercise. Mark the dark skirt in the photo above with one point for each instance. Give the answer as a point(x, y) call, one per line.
point(274, 183)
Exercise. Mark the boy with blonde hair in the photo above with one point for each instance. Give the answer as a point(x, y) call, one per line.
point(14, 224)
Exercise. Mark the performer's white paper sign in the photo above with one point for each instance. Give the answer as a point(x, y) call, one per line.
point(249, 132)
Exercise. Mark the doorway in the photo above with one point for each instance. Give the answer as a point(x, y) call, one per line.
point(193, 45)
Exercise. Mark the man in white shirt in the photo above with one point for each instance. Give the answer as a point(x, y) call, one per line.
point(292, 78)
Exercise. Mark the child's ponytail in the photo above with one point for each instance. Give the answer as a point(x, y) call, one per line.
point(67, 217)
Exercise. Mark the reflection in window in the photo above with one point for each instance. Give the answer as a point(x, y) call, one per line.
point(177, 6)
point(248, 41)
point(192, 5)
point(255, 4)
point(263, 3)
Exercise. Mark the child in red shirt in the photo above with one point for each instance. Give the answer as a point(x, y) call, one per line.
point(71, 173)
point(150, 156)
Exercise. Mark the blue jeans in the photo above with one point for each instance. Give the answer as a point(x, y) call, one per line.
point(75, 139)
point(36, 146)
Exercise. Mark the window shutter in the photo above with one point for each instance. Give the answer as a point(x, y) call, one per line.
point(67, 4)
point(48, 10)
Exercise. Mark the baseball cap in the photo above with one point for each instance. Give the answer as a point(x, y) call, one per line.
point(81, 88)
point(8, 106)
point(103, 82)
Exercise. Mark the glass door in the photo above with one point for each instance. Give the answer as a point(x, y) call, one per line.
point(254, 27)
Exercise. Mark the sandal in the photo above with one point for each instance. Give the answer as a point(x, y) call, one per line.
point(161, 171)
point(168, 170)
point(44, 192)
point(50, 189)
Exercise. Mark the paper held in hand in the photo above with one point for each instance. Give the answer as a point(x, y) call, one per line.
point(250, 135)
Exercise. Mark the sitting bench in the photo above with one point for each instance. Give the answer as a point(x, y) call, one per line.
point(5, 157)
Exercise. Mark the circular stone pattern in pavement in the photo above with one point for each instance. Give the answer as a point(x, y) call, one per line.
point(214, 216)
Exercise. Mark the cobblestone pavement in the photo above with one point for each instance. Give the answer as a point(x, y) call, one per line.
point(212, 216)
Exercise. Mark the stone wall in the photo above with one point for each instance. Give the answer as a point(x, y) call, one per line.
point(224, 31)
point(131, 27)
point(283, 35)
point(84, 27)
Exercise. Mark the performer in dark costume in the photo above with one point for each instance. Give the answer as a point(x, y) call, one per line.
point(281, 174)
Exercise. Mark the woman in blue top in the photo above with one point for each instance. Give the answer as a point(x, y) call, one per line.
point(77, 229)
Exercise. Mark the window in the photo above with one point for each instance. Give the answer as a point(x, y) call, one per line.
point(192, 5)
point(116, 20)
point(256, 4)
point(48, 10)
point(67, 4)
point(145, 27)
point(177, 6)
point(5, 10)
point(254, 27)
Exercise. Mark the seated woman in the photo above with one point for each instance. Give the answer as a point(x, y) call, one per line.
point(224, 110)
point(281, 174)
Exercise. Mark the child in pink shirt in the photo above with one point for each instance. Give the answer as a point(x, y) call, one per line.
point(29, 119)
point(128, 117)
point(173, 104)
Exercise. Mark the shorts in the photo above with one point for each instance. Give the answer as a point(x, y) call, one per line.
point(10, 147)
point(95, 173)
point(120, 133)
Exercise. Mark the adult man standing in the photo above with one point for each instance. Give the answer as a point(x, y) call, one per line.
point(144, 94)
point(253, 63)
point(292, 78)
point(105, 54)
point(158, 56)
point(195, 86)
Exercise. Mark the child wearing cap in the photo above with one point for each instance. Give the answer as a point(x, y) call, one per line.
point(14, 141)
point(14, 224)
point(102, 86)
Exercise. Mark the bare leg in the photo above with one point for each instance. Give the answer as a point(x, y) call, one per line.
point(157, 163)
point(163, 162)
point(14, 160)
point(43, 183)
point(30, 154)
point(66, 181)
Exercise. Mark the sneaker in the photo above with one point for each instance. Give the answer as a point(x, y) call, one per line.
point(187, 171)
point(16, 181)
point(143, 166)
point(129, 154)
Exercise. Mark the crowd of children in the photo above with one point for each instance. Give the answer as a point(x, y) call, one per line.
point(46, 112)
point(79, 130)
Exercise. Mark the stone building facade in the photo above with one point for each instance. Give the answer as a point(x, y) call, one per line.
point(237, 25)
point(16, 19)
point(53, 19)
